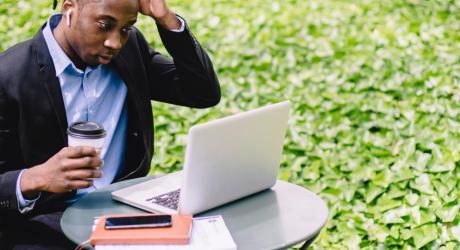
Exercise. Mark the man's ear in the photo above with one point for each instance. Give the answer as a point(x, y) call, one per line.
point(67, 9)
point(68, 5)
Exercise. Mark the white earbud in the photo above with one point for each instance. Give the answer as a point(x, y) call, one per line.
point(68, 14)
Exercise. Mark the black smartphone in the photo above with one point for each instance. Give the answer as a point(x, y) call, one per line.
point(163, 220)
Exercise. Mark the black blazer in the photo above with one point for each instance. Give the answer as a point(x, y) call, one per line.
point(33, 117)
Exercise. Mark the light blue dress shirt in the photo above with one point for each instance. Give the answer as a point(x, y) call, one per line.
point(95, 94)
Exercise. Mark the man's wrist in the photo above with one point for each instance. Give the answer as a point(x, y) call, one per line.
point(30, 184)
point(169, 21)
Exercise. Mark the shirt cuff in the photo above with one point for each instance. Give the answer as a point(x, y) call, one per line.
point(182, 25)
point(24, 205)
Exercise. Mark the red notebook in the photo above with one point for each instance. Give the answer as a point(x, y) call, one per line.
point(178, 233)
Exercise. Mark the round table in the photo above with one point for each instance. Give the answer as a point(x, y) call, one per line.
point(277, 218)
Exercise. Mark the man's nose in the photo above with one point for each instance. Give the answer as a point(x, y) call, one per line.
point(113, 41)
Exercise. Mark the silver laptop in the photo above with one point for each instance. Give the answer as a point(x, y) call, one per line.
point(225, 159)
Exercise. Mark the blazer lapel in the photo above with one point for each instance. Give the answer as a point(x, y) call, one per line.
point(133, 91)
point(135, 146)
point(51, 82)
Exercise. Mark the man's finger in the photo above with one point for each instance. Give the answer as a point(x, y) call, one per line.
point(79, 184)
point(84, 174)
point(83, 162)
point(144, 6)
point(80, 151)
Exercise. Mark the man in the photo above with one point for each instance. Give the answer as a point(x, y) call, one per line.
point(91, 64)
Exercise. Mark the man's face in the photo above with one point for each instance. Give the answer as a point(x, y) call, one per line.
point(100, 29)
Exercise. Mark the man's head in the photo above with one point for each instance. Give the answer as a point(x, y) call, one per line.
point(96, 30)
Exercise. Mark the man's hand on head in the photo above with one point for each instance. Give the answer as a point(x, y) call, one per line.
point(69, 169)
point(158, 10)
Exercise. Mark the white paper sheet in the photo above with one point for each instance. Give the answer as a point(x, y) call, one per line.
point(208, 233)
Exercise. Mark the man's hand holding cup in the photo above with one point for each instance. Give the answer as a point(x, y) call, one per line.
point(73, 167)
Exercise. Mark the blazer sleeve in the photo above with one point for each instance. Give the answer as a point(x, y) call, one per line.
point(8, 199)
point(188, 79)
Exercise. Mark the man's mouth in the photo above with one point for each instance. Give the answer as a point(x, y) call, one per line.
point(106, 58)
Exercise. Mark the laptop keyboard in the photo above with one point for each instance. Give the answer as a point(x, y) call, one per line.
point(169, 200)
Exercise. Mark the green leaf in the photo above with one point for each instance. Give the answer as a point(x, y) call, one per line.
point(411, 199)
point(373, 192)
point(313, 171)
point(383, 179)
point(442, 168)
point(422, 183)
point(424, 235)
point(426, 217)
point(448, 213)
point(395, 216)
point(422, 160)
point(385, 203)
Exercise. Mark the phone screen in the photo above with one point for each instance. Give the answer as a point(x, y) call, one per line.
point(138, 221)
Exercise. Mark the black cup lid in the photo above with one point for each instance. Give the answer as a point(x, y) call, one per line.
point(86, 130)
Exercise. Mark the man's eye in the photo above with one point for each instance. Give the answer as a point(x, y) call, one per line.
point(104, 26)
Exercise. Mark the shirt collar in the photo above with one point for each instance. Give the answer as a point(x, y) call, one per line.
point(60, 59)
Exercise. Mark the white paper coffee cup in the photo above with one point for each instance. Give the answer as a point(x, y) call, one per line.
point(86, 134)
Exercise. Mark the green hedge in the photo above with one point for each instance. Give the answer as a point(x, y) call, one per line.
point(375, 90)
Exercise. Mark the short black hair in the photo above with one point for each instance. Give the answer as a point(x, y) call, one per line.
point(81, 2)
